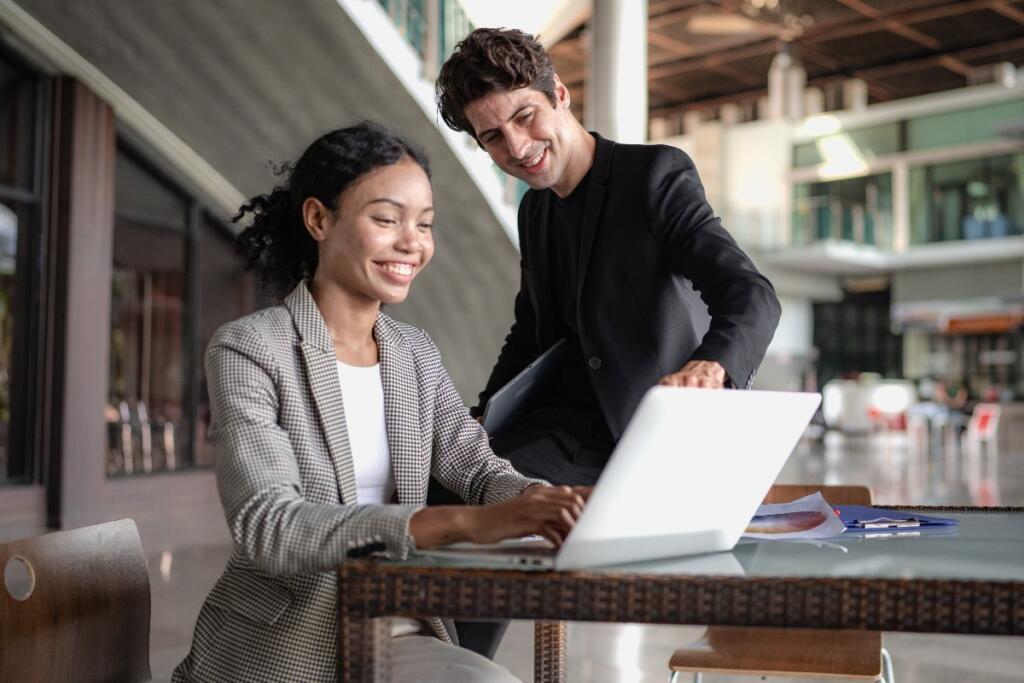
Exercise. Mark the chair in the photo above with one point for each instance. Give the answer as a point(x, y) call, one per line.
point(818, 653)
point(75, 606)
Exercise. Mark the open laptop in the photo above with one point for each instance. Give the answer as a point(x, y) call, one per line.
point(686, 477)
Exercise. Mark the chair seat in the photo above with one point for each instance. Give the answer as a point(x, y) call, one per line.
point(784, 651)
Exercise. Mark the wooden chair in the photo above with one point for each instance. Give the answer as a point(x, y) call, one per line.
point(857, 655)
point(74, 606)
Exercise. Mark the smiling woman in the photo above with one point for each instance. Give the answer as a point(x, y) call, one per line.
point(329, 418)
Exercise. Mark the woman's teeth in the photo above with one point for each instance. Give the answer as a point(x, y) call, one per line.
point(398, 268)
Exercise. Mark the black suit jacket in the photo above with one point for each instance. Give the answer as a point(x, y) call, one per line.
point(661, 282)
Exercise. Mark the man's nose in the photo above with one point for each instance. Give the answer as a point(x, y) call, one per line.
point(518, 145)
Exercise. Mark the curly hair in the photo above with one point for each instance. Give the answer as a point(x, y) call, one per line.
point(486, 61)
point(276, 243)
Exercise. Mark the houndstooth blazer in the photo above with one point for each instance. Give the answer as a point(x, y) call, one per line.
point(286, 481)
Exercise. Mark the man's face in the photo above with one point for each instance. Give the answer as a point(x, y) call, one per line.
point(525, 135)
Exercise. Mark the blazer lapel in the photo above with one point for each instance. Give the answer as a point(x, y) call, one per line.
point(595, 198)
point(322, 376)
point(411, 467)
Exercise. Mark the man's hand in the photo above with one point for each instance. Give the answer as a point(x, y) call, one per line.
point(706, 374)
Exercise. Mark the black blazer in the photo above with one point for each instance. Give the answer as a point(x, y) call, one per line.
point(661, 282)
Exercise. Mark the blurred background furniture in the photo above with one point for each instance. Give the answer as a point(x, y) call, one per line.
point(75, 606)
point(854, 655)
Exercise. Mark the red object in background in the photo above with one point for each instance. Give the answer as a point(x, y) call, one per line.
point(891, 421)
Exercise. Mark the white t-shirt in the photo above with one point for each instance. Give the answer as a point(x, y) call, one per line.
point(362, 394)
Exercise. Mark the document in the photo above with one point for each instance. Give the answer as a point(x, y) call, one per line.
point(809, 517)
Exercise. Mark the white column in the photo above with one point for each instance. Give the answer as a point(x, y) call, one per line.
point(617, 70)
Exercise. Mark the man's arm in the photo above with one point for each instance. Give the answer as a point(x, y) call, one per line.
point(742, 303)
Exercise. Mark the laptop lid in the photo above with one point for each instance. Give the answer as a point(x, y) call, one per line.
point(687, 475)
point(509, 401)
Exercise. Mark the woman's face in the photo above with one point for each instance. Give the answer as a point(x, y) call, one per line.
point(379, 238)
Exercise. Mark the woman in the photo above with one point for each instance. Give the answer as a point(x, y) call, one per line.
point(329, 418)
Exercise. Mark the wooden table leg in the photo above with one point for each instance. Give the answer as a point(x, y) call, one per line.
point(364, 649)
point(549, 651)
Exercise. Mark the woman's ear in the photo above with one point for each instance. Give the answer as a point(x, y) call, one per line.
point(316, 217)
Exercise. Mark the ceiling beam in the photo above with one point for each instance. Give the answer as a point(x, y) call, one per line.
point(893, 25)
point(677, 48)
point(1007, 11)
point(826, 31)
point(763, 47)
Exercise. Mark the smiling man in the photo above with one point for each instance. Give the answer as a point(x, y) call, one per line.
point(621, 255)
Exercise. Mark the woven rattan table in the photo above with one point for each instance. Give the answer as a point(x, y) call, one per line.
point(971, 581)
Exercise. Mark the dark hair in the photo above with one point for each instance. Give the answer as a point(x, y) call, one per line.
point(276, 244)
point(489, 60)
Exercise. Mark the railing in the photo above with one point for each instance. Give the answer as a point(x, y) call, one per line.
point(420, 21)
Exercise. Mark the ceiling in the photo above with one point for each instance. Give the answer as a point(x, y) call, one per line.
point(704, 53)
point(249, 83)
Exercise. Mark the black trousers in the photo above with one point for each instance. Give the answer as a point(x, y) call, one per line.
point(559, 444)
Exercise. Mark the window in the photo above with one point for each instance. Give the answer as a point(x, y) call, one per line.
point(166, 251)
point(853, 210)
point(22, 113)
point(228, 293)
point(863, 143)
point(967, 200)
point(961, 127)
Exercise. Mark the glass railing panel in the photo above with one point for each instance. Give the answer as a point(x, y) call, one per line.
point(970, 199)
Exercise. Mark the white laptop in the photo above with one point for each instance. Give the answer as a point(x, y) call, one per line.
point(688, 474)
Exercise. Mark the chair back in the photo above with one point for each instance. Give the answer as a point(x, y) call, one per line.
point(835, 495)
point(82, 608)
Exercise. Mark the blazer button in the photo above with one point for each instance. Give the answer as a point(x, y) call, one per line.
point(594, 363)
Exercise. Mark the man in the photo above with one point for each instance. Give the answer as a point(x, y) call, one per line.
point(616, 243)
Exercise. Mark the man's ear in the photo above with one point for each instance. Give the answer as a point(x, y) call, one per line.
point(561, 92)
point(316, 217)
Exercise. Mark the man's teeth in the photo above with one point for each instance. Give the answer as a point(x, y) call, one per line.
point(534, 161)
point(398, 268)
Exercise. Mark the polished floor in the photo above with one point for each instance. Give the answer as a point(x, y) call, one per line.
point(896, 470)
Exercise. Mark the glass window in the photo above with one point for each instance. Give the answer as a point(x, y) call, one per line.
point(9, 222)
point(20, 226)
point(227, 293)
point(964, 126)
point(967, 200)
point(864, 143)
point(146, 417)
point(853, 210)
point(17, 123)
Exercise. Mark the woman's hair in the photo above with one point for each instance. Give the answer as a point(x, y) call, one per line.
point(491, 60)
point(276, 243)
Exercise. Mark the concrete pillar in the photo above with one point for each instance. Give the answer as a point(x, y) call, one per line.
point(814, 101)
point(786, 82)
point(729, 114)
point(617, 70)
point(855, 94)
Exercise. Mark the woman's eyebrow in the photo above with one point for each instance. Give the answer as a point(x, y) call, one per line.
point(386, 200)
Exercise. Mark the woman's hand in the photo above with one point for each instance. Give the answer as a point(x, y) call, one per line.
point(548, 511)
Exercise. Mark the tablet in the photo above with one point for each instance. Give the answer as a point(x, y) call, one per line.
point(508, 402)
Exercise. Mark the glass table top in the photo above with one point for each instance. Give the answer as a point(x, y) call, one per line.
point(985, 546)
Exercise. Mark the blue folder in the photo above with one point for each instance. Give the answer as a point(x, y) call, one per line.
point(867, 518)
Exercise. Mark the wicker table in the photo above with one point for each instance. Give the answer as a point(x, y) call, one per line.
point(968, 582)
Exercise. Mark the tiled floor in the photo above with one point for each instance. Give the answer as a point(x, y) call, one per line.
point(896, 471)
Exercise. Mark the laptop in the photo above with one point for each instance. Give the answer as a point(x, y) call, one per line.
point(509, 401)
point(685, 478)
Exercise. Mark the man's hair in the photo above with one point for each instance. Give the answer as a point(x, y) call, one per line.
point(491, 60)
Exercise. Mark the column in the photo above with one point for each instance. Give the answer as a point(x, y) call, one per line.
point(617, 70)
